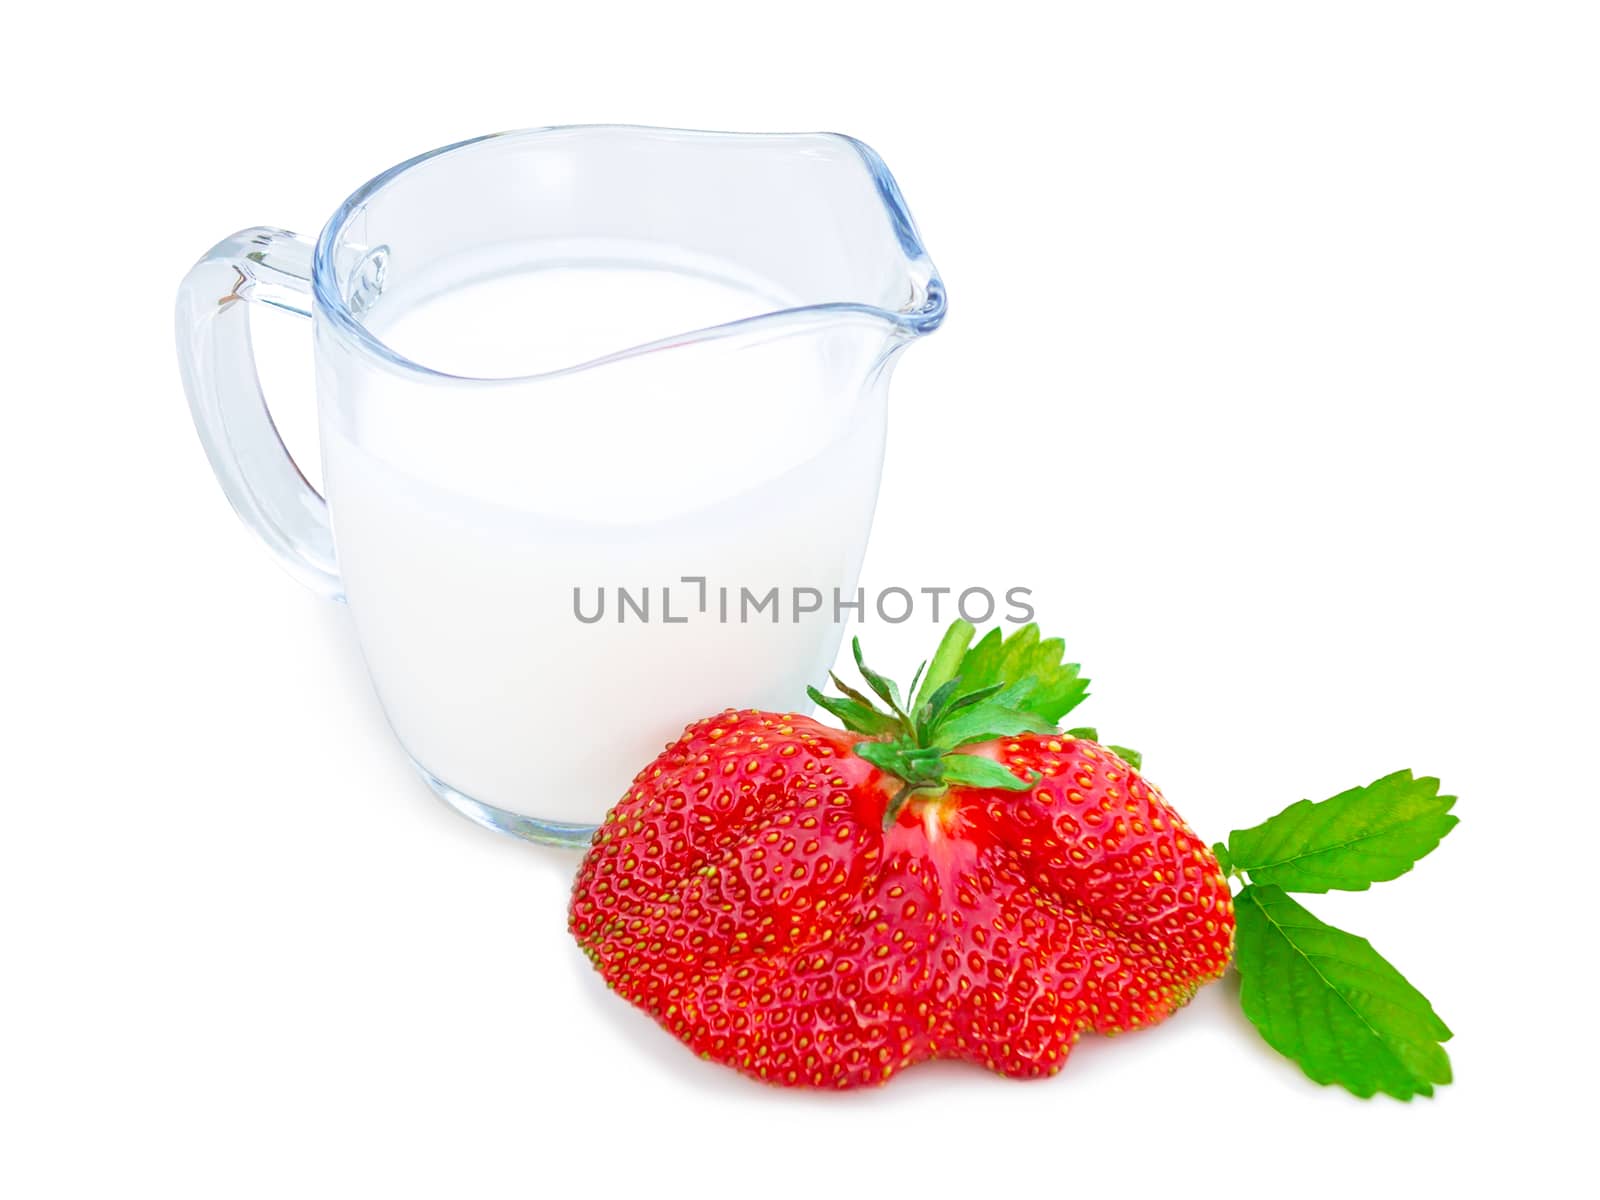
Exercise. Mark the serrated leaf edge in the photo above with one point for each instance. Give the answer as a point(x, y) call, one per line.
point(1307, 806)
point(1252, 891)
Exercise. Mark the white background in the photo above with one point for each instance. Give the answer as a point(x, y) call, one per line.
point(1271, 368)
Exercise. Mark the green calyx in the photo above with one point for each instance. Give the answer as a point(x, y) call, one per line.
point(999, 688)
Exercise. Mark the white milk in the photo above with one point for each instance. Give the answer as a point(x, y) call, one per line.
point(464, 523)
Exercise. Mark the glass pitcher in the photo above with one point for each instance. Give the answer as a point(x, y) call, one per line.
point(601, 414)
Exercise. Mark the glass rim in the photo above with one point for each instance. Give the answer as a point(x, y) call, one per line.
point(912, 322)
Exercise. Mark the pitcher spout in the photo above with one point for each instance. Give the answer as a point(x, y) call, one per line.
point(924, 308)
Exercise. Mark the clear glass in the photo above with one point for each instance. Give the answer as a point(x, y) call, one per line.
point(553, 367)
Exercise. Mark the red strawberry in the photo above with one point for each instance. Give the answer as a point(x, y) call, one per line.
point(821, 907)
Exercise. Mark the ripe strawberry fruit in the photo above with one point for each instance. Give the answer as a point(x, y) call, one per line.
point(948, 879)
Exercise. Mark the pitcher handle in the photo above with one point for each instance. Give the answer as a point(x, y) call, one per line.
point(218, 363)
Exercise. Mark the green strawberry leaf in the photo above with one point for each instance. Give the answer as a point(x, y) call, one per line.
point(983, 722)
point(858, 696)
point(1054, 687)
point(1224, 860)
point(915, 676)
point(969, 698)
point(973, 771)
point(918, 766)
point(1359, 837)
point(1087, 732)
point(856, 716)
point(935, 707)
point(946, 660)
point(886, 689)
point(1328, 1000)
